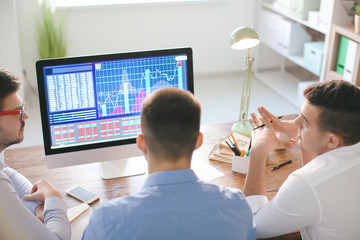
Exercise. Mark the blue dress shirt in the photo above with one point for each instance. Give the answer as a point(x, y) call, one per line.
point(174, 205)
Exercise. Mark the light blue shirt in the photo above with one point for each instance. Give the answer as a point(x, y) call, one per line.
point(174, 205)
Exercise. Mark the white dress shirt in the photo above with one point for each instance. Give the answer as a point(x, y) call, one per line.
point(322, 199)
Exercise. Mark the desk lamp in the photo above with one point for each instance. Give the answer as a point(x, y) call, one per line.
point(244, 38)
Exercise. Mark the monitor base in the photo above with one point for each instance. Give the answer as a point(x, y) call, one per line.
point(123, 167)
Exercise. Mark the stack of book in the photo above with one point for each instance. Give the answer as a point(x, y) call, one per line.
point(226, 149)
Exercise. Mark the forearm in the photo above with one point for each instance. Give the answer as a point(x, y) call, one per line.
point(255, 177)
point(55, 217)
point(22, 187)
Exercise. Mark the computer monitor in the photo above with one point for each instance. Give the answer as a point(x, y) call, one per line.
point(90, 105)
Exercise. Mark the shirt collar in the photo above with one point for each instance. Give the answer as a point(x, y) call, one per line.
point(170, 177)
point(344, 152)
point(344, 149)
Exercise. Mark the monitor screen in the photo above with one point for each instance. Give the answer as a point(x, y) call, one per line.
point(94, 102)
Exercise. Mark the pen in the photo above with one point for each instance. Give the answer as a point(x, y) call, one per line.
point(281, 165)
point(237, 147)
point(233, 149)
point(262, 125)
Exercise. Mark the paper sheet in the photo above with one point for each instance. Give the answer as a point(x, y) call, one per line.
point(205, 171)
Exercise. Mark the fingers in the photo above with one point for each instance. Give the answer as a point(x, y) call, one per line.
point(265, 118)
point(32, 197)
point(34, 188)
point(287, 144)
point(269, 114)
point(257, 120)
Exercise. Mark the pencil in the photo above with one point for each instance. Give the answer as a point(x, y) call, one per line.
point(262, 125)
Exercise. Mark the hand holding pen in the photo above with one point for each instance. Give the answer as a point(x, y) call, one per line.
point(263, 125)
point(285, 126)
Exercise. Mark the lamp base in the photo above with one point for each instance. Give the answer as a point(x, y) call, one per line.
point(242, 127)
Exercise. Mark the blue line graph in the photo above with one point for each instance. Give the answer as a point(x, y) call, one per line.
point(122, 85)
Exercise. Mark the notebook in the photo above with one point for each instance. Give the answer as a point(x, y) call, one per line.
point(75, 211)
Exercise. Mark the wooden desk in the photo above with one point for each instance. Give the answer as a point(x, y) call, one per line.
point(30, 162)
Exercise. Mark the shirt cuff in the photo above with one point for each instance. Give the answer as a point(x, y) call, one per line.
point(53, 202)
point(256, 202)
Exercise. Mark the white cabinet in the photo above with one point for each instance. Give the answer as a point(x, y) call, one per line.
point(283, 33)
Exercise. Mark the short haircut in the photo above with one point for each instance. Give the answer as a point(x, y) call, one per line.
point(9, 84)
point(339, 102)
point(170, 122)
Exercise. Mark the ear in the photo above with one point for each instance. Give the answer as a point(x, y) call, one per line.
point(199, 140)
point(334, 141)
point(141, 143)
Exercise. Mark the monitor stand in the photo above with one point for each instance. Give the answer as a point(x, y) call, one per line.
point(123, 167)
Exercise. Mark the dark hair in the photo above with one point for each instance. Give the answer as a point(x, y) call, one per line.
point(9, 83)
point(339, 102)
point(170, 122)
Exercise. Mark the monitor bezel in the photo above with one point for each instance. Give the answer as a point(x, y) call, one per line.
point(40, 64)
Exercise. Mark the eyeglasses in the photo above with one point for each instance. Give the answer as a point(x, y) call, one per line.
point(14, 112)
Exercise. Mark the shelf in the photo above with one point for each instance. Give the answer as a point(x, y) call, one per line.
point(283, 83)
point(269, 5)
point(297, 59)
point(335, 76)
point(336, 33)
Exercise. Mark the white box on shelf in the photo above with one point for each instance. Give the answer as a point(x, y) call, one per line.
point(314, 18)
point(282, 6)
point(313, 56)
point(269, 28)
point(301, 8)
point(281, 34)
point(240, 164)
point(293, 37)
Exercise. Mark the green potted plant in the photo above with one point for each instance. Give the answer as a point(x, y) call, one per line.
point(51, 37)
point(357, 19)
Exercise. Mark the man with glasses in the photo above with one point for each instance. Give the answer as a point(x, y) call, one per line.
point(26, 211)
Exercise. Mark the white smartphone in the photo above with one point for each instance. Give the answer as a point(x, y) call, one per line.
point(82, 194)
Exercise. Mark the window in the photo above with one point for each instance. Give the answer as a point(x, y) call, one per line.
point(79, 3)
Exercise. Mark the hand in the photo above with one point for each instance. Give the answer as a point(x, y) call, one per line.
point(288, 127)
point(40, 191)
point(39, 212)
point(265, 138)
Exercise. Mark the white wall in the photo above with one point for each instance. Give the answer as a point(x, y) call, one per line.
point(206, 27)
point(9, 40)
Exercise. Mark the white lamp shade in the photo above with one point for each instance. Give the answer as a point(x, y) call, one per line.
point(243, 38)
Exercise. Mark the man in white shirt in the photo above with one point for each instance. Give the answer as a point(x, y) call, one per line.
point(321, 198)
point(26, 211)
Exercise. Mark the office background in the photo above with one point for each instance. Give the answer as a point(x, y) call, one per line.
point(204, 26)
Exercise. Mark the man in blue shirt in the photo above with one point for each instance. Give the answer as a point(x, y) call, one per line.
point(173, 203)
